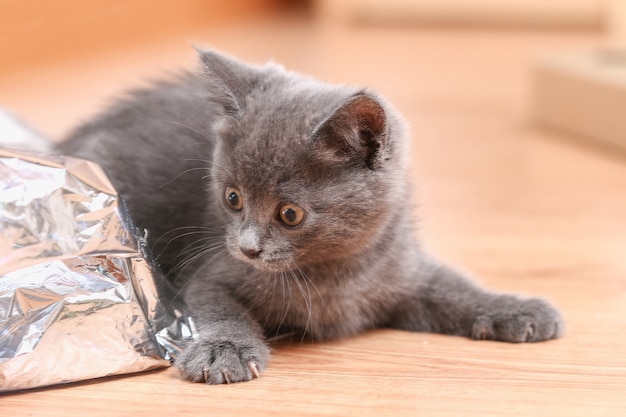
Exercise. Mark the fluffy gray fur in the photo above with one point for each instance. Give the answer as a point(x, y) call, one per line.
point(280, 205)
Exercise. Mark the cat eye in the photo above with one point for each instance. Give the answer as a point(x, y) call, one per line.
point(233, 198)
point(291, 215)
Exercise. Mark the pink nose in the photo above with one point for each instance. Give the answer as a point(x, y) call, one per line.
point(250, 252)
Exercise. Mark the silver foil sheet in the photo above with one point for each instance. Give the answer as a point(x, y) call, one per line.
point(79, 296)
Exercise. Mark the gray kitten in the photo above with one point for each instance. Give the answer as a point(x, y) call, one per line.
point(280, 205)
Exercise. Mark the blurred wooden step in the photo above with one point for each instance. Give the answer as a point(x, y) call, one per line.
point(583, 93)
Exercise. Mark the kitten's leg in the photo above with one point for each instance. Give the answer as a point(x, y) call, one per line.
point(446, 302)
point(230, 346)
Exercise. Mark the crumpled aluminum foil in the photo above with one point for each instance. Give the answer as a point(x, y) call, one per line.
point(79, 296)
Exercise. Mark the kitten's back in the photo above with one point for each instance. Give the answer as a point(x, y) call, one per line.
point(156, 145)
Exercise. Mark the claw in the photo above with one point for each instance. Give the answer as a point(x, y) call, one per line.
point(226, 376)
point(205, 374)
point(530, 331)
point(254, 369)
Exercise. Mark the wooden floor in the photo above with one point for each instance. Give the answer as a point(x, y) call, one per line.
point(524, 209)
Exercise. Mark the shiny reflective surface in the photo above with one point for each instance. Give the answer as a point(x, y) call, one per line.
point(78, 294)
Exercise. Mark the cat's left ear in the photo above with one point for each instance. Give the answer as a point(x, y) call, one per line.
point(357, 132)
point(231, 79)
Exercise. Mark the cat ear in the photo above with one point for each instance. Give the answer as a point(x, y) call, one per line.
point(230, 79)
point(356, 131)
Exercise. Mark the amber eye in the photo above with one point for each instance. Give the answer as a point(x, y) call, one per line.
point(233, 198)
point(291, 215)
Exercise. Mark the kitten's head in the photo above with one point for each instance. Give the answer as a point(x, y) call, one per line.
point(305, 173)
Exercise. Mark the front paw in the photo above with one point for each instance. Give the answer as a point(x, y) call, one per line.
point(511, 319)
point(218, 360)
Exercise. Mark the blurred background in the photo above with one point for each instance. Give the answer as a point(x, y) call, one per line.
point(517, 108)
point(66, 40)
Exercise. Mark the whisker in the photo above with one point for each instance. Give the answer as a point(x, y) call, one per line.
point(286, 297)
point(183, 235)
point(183, 287)
point(306, 297)
point(190, 258)
point(177, 229)
point(206, 161)
point(187, 171)
point(259, 278)
point(310, 281)
point(199, 241)
point(270, 296)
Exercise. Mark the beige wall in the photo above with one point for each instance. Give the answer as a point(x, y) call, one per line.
point(536, 13)
point(33, 32)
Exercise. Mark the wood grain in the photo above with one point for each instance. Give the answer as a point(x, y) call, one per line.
point(521, 208)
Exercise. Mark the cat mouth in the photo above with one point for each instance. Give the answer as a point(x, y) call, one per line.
point(266, 263)
point(271, 264)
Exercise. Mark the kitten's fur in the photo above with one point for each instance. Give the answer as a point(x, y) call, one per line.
point(284, 142)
